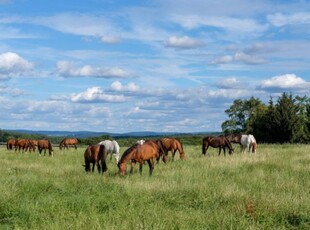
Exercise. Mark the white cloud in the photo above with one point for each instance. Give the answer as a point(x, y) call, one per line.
point(11, 64)
point(243, 25)
point(118, 86)
point(280, 19)
point(96, 94)
point(230, 83)
point(239, 57)
point(286, 81)
point(67, 69)
point(110, 39)
point(10, 91)
point(184, 42)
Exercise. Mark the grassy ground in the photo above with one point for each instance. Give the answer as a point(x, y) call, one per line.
point(269, 190)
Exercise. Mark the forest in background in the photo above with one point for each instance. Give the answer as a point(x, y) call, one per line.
point(286, 120)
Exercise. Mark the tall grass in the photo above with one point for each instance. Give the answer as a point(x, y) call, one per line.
point(268, 190)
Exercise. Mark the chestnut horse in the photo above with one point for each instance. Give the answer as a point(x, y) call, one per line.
point(45, 144)
point(10, 143)
point(148, 151)
point(66, 142)
point(173, 144)
point(95, 154)
point(23, 144)
point(216, 142)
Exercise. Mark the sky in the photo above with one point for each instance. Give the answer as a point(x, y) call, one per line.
point(161, 65)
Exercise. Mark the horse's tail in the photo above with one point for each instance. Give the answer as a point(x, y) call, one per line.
point(101, 152)
point(78, 140)
point(102, 157)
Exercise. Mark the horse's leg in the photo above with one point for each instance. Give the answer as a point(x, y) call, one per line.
point(111, 153)
point(98, 167)
point(141, 165)
point(151, 166)
point(93, 168)
point(133, 163)
point(75, 146)
point(173, 153)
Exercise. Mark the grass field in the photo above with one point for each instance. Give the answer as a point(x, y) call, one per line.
point(269, 190)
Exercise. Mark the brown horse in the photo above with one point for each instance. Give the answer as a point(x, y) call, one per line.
point(149, 151)
point(95, 154)
point(45, 144)
point(10, 144)
point(216, 142)
point(66, 142)
point(23, 144)
point(173, 144)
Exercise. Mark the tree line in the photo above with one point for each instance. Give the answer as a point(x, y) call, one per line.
point(284, 120)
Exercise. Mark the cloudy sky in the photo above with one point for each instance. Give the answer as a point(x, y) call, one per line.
point(161, 65)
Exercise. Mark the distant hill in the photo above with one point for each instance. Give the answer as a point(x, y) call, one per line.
point(87, 134)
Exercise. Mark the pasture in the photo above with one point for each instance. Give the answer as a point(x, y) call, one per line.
point(269, 190)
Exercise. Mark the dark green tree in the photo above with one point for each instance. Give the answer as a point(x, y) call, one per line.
point(242, 115)
point(286, 119)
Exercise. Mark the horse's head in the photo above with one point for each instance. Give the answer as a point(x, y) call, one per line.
point(121, 168)
point(116, 155)
point(231, 151)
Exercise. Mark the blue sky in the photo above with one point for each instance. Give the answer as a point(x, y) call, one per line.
point(161, 65)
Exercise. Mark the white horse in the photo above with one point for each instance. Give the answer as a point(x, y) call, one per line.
point(248, 142)
point(140, 142)
point(112, 148)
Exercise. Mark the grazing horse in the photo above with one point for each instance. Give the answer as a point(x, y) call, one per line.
point(173, 144)
point(45, 144)
point(10, 144)
point(112, 148)
point(216, 142)
point(95, 154)
point(148, 151)
point(66, 142)
point(23, 144)
point(248, 142)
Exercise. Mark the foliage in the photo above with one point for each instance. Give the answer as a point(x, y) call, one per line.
point(285, 121)
point(243, 191)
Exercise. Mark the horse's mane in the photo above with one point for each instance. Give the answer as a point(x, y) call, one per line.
point(128, 151)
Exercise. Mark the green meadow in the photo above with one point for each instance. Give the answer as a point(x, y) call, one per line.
point(269, 190)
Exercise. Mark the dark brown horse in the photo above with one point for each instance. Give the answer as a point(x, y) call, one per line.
point(10, 143)
point(149, 151)
point(173, 144)
point(45, 144)
point(216, 142)
point(66, 142)
point(23, 144)
point(95, 154)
